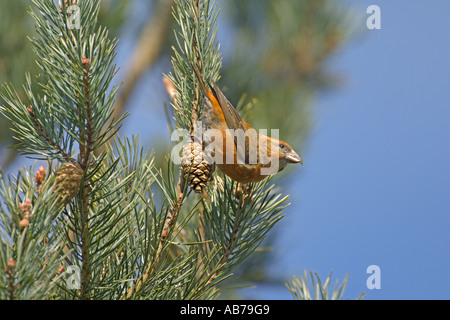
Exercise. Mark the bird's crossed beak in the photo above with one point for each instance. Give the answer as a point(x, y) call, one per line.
point(293, 157)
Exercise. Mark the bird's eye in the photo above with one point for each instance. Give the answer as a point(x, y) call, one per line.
point(282, 145)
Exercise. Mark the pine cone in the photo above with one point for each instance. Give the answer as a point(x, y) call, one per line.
point(39, 178)
point(25, 209)
point(66, 4)
point(10, 265)
point(24, 223)
point(68, 179)
point(193, 162)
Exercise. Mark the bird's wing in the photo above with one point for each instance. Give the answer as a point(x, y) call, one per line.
point(234, 121)
point(232, 117)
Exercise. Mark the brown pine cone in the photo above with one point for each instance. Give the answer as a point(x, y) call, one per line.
point(194, 165)
point(68, 179)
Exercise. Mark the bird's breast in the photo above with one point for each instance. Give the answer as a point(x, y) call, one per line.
point(243, 173)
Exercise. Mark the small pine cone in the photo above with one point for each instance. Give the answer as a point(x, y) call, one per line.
point(60, 270)
point(68, 179)
point(24, 223)
point(66, 3)
point(39, 178)
point(25, 209)
point(85, 62)
point(193, 162)
point(11, 264)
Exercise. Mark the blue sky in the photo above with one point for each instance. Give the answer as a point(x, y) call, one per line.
point(375, 187)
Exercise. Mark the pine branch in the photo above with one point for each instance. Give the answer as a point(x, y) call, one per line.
point(85, 154)
point(86, 151)
point(238, 220)
point(172, 215)
point(300, 288)
point(30, 236)
point(174, 210)
point(196, 45)
point(185, 11)
point(76, 108)
point(44, 134)
point(169, 222)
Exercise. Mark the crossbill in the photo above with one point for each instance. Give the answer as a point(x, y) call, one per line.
point(243, 155)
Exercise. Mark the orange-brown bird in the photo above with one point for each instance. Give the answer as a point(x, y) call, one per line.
point(242, 154)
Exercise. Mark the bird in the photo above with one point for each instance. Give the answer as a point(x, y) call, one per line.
point(252, 161)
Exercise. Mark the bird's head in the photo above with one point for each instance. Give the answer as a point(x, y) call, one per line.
point(281, 153)
point(286, 154)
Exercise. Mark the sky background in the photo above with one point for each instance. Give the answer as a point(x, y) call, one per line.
point(375, 185)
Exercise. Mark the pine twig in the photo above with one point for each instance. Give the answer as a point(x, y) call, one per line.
point(173, 212)
point(169, 222)
point(196, 105)
point(47, 138)
point(10, 268)
point(84, 161)
point(228, 249)
point(85, 155)
point(172, 215)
